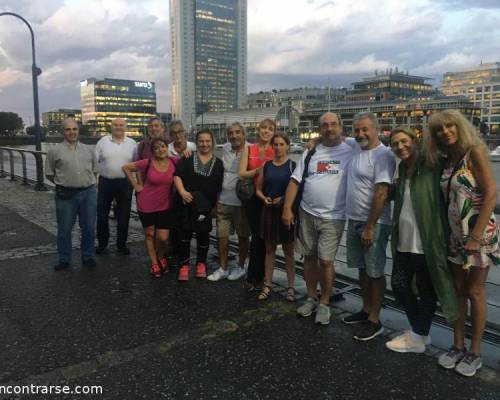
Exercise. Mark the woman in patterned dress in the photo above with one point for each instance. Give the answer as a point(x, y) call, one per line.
point(469, 188)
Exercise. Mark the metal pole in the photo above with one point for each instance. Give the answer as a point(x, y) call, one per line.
point(35, 71)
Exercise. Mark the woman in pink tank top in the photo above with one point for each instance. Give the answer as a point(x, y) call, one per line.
point(253, 159)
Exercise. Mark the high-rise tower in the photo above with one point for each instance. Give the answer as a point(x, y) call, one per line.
point(209, 56)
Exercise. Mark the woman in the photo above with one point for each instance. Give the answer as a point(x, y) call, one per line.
point(154, 201)
point(252, 160)
point(419, 244)
point(179, 145)
point(198, 180)
point(469, 189)
point(270, 189)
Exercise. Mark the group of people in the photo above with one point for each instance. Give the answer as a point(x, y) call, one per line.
point(442, 192)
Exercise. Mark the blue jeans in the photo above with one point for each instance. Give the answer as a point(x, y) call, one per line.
point(83, 205)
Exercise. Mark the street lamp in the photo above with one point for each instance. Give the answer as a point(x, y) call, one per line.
point(35, 71)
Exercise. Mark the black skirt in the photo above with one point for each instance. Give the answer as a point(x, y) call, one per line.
point(272, 228)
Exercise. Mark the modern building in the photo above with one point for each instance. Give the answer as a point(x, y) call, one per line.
point(107, 99)
point(209, 57)
point(52, 120)
point(299, 98)
point(165, 117)
point(482, 86)
point(389, 85)
point(391, 113)
point(286, 118)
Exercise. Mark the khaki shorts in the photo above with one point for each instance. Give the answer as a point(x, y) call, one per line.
point(231, 219)
point(320, 237)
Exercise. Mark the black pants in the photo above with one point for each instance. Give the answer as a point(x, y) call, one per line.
point(202, 243)
point(257, 245)
point(419, 311)
point(109, 190)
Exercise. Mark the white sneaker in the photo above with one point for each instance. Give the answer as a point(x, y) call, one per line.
point(236, 273)
point(408, 342)
point(218, 274)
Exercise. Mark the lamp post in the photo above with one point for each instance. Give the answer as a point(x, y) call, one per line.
point(35, 71)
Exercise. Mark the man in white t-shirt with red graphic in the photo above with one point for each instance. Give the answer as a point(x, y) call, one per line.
point(321, 212)
point(369, 222)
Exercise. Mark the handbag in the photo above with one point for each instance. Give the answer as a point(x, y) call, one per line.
point(245, 188)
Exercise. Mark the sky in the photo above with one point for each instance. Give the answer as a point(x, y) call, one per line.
point(291, 43)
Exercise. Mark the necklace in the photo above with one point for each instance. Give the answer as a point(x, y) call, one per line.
point(203, 169)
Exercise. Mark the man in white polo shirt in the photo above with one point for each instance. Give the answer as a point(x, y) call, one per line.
point(112, 153)
point(321, 212)
point(368, 213)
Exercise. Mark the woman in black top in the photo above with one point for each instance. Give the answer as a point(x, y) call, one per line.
point(271, 188)
point(198, 180)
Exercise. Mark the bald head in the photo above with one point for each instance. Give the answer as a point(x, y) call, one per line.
point(118, 127)
point(330, 127)
point(329, 116)
point(70, 130)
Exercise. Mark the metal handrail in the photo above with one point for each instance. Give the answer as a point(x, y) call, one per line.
point(38, 155)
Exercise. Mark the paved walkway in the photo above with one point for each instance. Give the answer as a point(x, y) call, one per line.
point(142, 339)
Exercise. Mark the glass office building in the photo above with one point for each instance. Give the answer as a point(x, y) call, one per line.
point(107, 99)
point(209, 57)
point(53, 120)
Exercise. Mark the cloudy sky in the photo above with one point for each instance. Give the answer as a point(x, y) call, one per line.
point(291, 43)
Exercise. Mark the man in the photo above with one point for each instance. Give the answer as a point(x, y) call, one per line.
point(72, 166)
point(179, 144)
point(230, 214)
point(368, 212)
point(321, 212)
point(112, 153)
point(156, 128)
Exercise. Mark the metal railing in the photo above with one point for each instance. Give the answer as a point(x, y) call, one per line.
point(38, 157)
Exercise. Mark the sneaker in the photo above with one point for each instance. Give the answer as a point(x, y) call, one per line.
point(322, 314)
point(309, 306)
point(236, 273)
point(201, 270)
point(357, 318)
point(218, 274)
point(184, 273)
point(90, 263)
point(100, 250)
point(451, 358)
point(155, 271)
point(368, 330)
point(164, 265)
point(61, 266)
point(408, 342)
point(469, 364)
point(124, 250)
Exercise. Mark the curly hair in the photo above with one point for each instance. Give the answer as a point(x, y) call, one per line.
point(467, 135)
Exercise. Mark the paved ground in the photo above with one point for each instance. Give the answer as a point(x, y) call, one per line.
point(142, 339)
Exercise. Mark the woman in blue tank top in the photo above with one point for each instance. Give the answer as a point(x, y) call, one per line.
point(270, 189)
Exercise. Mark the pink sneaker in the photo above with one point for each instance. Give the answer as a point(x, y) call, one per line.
point(155, 271)
point(201, 270)
point(164, 265)
point(184, 273)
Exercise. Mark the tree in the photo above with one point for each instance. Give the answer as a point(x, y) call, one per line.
point(10, 123)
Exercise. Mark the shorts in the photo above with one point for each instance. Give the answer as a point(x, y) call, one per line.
point(159, 219)
point(373, 258)
point(319, 236)
point(231, 219)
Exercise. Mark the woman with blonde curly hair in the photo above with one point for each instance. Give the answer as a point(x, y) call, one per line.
point(469, 190)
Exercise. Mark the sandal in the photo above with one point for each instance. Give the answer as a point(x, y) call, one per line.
point(290, 294)
point(265, 292)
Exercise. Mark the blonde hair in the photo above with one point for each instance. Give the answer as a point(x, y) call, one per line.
point(467, 135)
point(403, 129)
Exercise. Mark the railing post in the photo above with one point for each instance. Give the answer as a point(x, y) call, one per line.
point(11, 162)
point(2, 170)
point(25, 171)
point(40, 185)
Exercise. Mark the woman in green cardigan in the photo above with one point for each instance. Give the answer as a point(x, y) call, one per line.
point(419, 245)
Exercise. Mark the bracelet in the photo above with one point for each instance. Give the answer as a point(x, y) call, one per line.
point(476, 239)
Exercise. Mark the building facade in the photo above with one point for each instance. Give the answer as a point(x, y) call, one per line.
point(413, 113)
point(299, 98)
point(52, 120)
point(107, 99)
point(209, 57)
point(480, 85)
